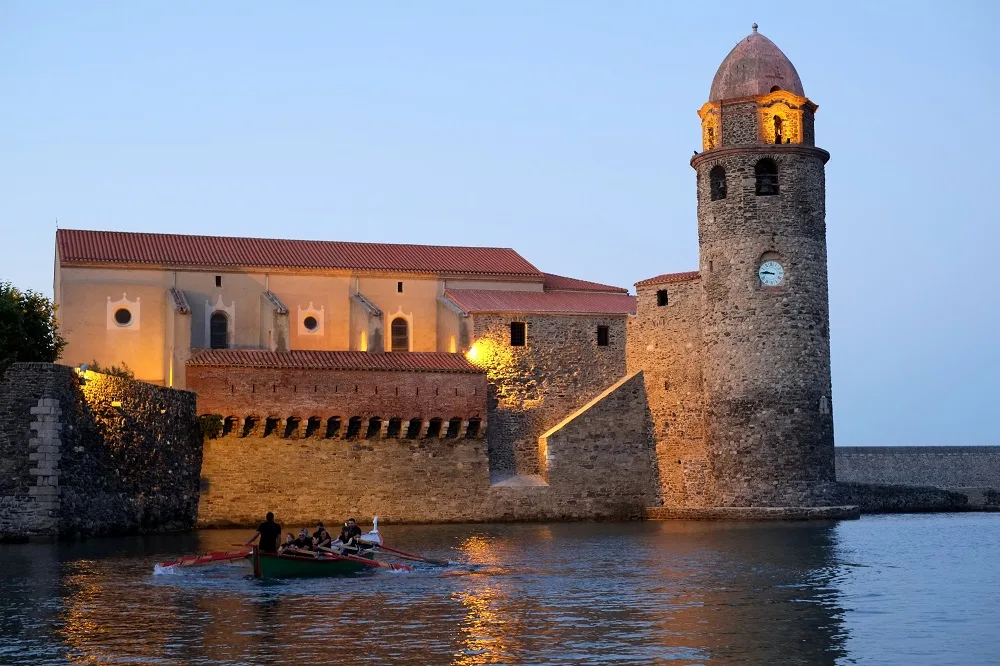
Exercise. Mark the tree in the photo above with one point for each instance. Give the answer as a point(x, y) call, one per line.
point(28, 330)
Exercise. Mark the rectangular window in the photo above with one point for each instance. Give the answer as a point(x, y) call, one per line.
point(517, 333)
point(602, 336)
point(218, 280)
point(661, 297)
point(399, 287)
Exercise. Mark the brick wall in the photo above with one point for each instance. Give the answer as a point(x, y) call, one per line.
point(109, 456)
point(665, 343)
point(532, 388)
point(331, 398)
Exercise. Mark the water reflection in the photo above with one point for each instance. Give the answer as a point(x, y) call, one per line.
point(562, 593)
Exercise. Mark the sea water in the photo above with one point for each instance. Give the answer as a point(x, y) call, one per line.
point(919, 589)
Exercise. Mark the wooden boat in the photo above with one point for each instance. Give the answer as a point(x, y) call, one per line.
point(269, 565)
point(305, 564)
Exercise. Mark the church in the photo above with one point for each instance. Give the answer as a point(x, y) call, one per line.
point(464, 383)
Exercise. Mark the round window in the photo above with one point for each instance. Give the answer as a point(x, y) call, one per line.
point(310, 323)
point(123, 317)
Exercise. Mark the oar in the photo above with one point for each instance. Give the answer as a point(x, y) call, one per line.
point(417, 558)
point(207, 558)
point(353, 558)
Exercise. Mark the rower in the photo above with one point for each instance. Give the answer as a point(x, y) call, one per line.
point(349, 535)
point(269, 533)
point(304, 542)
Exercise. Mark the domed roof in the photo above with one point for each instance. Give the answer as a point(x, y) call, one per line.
point(754, 67)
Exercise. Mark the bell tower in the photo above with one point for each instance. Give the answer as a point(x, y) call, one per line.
point(765, 308)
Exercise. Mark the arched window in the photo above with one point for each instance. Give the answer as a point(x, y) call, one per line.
point(777, 130)
point(766, 172)
point(219, 331)
point(400, 335)
point(717, 182)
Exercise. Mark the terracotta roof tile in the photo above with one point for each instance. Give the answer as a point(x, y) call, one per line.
point(561, 283)
point(551, 302)
point(333, 360)
point(118, 247)
point(670, 277)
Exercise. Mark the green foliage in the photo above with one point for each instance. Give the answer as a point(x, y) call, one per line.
point(211, 425)
point(114, 370)
point(28, 330)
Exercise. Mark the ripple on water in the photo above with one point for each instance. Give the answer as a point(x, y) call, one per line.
point(631, 593)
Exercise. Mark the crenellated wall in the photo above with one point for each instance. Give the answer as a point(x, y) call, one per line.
point(341, 404)
point(94, 455)
point(600, 464)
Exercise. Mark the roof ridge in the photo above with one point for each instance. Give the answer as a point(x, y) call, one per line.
point(162, 234)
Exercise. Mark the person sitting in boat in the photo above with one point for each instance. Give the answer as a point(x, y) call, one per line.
point(304, 541)
point(319, 528)
point(269, 533)
point(289, 543)
point(349, 535)
point(324, 539)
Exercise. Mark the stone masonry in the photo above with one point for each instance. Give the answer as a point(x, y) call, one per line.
point(533, 387)
point(664, 341)
point(105, 455)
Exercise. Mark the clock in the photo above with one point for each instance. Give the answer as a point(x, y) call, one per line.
point(771, 273)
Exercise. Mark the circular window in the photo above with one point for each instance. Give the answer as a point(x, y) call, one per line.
point(123, 317)
point(310, 323)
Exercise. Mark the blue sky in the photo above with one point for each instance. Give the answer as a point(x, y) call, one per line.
point(562, 129)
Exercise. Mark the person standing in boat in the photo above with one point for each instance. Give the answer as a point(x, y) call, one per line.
point(269, 533)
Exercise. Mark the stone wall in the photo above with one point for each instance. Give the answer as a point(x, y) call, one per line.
point(102, 456)
point(532, 388)
point(739, 123)
point(939, 466)
point(599, 466)
point(665, 343)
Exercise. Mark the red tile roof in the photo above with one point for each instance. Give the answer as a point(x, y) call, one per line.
point(551, 302)
point(119, 247)
point(333, 360)
point(561, 283)
point(670, 277)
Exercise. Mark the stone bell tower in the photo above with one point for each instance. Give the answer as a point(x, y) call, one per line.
point(765, 309)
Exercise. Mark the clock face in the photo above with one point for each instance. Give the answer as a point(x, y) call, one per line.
point(771, 273)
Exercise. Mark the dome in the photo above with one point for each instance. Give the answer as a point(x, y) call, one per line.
point(755, 66)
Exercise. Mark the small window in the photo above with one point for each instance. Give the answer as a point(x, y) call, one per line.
point(777, 129)
point(602, 336)
point(661, 297)
point(219, 331)
point(517, 334)
point(766, 172)
point(717, 182)
point(123, 317)
point(399, 287)
point(310, 323)
point(218, 280)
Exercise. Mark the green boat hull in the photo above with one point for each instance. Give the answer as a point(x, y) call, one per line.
point(266, 565)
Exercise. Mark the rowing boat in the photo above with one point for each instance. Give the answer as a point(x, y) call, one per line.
point(285, 565)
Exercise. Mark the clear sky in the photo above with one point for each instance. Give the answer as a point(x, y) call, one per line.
point(562, 129)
